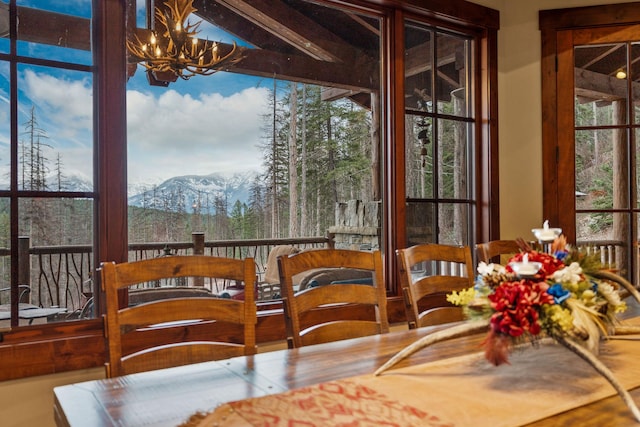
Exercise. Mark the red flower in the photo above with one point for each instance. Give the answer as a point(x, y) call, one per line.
point(550, 264)
point(516, 305)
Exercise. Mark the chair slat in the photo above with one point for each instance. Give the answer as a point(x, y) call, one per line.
point(446, 268)
point(335, 311)
point(185, 315)
point(486, 252)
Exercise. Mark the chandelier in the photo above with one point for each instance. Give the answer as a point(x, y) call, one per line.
point(173, 47)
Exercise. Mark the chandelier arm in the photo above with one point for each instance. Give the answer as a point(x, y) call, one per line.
point(175, 47)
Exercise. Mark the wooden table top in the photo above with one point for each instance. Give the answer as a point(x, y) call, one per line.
point(168, 397)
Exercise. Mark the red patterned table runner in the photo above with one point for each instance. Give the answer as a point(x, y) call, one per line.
point(464, 391)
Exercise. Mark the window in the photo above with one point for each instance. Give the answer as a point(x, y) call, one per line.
point(439, 137)
point(46, 167)
point(267, 149)
point(591, 177)
point(333, 70)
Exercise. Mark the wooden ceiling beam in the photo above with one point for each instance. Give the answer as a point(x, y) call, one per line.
point(294, 28)
point(597, 86)
point(238, 26)
point(361, 75)
point(357, 18)
point(597, 58)
point(51, 28)
point(418, 58)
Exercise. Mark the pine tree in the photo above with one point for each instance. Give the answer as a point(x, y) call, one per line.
point(293, 161)
point(275, 164)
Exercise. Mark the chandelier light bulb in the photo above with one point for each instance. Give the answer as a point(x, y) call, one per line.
point(621, 74)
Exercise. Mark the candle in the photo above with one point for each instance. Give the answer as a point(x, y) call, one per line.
point(524, 267)
point(546, 234)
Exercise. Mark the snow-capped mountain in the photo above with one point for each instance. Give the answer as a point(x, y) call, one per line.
point(197, 191)
point(71, 183)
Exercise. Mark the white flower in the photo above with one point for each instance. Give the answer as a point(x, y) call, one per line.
point(570, 274)
point(609, 293)
point(485, 269)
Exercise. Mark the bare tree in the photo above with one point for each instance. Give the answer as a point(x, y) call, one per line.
point(293, 161)
point(303, 157)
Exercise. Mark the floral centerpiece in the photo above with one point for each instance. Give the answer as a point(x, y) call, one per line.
point(564, 298)
point(563, 294)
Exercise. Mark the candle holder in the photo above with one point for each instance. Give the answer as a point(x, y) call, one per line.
point(546, 236)
point(525, 270)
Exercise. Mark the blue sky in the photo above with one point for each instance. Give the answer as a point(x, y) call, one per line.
point(205, 125)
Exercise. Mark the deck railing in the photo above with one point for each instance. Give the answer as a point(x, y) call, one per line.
point(608, 250)
point(61, 275)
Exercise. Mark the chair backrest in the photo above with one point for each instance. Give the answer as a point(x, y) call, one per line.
point(177, 331)
point(486, 252)
point(336, 311)
point(427, 273)
point(269, 286)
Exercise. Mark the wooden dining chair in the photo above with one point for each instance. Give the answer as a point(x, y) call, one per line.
point(339, 310)
point(427, 273)
point(489, 251)
point(177, 331)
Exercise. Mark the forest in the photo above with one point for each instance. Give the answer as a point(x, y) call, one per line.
point(316, 153)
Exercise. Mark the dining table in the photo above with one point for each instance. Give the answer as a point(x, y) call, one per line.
point(170, 397)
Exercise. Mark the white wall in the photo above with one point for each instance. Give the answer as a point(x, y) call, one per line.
point(29, 402)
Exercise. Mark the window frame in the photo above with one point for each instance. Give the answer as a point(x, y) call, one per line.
point(59, 347)
point(561, 30)
point(437, 119)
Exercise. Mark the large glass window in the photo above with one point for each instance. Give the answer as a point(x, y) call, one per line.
point(286, 146)
point(604, 173)
point(46, 162)
point(282, 145)
point(439, 137)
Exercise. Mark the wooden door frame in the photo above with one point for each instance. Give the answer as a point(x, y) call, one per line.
point(558, 27)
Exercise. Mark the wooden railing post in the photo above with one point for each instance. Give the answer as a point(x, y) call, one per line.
point(331, 240)
point(197, 237)
point(24, 261)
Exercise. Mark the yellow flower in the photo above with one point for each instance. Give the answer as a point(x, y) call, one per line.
point(559, 316)
point(464, 297)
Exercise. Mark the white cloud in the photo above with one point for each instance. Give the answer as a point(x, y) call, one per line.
point(65, 103)
point(169, 133)
point(63, 113)
point(178, 134)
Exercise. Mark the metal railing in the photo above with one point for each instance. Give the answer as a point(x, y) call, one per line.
point(61, 275)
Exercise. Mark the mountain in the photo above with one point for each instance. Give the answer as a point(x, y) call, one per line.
point(196, 190)
point(72, 183)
